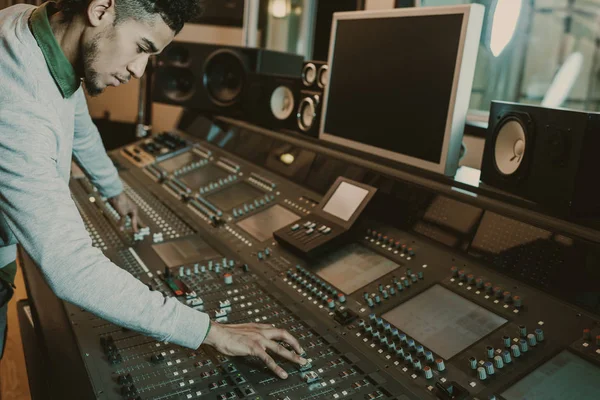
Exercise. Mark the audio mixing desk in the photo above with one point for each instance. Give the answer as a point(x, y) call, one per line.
point(427, 298)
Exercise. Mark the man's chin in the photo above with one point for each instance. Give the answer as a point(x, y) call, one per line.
point(94, 90)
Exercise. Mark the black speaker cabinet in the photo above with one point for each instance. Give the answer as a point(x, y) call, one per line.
point(315, 75)
point(216, 79)
point(308, 115)
point(273, 101)
point(549, 156)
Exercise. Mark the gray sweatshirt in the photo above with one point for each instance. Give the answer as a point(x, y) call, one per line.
point(41, 127)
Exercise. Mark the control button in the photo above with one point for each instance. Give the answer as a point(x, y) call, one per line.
point(473, 363)
point(507, 296)
point(498, 292)
point(341, 297)
point(506, 340)
point(490, 351)
point(481, 373)
point(439, 363)
point(429, 356)
point(385, 294)
point(489, 368)
point(392, 291)
point(488, 287)
point(420, 275)
point(228, 278)
point(454, 271)
point(411, 343)
point(517, 301)
point(377, 299)
point(462, 274)
point(531, 339)
point(523, 345)
point(470, 279)
point(420, 350)
point(327, 231)
point(587, 334)
point(417, 364)
point(479, 283)
point(498, 362)
point(598, 340)
point(370, 302)
point(506, 357)
point(516, 352)
point(330, 303)
point(427, 372)
point(403, 337)
point(539, 335)
point(523, 331)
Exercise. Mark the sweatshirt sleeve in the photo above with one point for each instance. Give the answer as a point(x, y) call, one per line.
point(89, 151)
point(38, 209)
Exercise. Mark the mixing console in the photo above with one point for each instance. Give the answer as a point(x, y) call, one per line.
point(427, 312)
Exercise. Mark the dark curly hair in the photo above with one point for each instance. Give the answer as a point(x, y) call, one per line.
point(174, 12)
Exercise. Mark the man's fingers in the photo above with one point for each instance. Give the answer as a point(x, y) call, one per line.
point(134, 219)
point(283, 352)
point(281, 334)
point(268, 360)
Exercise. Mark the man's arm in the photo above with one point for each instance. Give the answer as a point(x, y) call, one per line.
point(89, 152)
point(38, 209)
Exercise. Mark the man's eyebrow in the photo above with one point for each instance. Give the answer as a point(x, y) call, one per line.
point(150, 45)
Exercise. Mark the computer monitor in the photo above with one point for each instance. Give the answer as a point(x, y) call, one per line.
point(400, 83)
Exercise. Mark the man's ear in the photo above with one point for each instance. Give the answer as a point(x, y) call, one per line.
point(101, 12)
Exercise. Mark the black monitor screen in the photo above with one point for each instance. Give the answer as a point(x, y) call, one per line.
point(391, 81)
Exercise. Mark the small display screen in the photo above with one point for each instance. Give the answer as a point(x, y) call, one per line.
point(565, 377)
point(203, 176)
point(345, 200)
point(353, 267)
point(444, 321)
point(262, 225)
point(185, 251)
point(234, 195)
point(173, 164)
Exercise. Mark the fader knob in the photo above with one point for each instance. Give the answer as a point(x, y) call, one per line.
point(499, 362)
point(228, 278)
point(473, 362)
point(481, 373)
point(516, 352)
point(428, 372)
point(341, 297)
point(439, 363)
point(330, 303)
point(539, 335)
point(587, 334)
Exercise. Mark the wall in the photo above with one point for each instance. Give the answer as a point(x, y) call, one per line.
point(121, 102)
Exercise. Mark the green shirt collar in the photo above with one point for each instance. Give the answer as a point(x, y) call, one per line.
point(61, 69)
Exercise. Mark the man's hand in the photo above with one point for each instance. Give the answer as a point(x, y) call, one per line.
point(125, 207)
point(255, 340)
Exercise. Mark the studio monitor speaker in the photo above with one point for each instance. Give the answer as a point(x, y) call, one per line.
point(315, 75)
point(216, 79)
point(549, 156)
point(273, 102)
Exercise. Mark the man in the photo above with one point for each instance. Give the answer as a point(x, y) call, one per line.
point(45, 53)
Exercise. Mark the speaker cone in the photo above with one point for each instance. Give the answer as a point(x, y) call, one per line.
point(309, 74)
point(178, 56)
point(224, 77)
point(510, 146)
point(282, 103)
point(323, 79)
point(178, 84)
point(307, 113)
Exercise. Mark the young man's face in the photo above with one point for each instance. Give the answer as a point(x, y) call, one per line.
point(118, 53)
